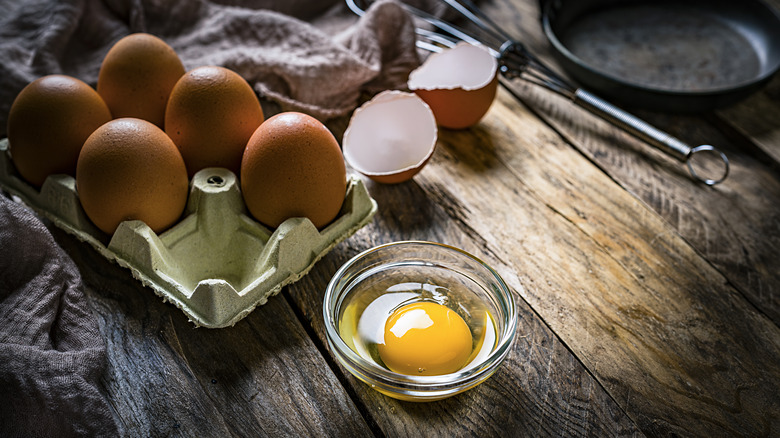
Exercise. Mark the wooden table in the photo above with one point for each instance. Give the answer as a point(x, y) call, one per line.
point(648, 303)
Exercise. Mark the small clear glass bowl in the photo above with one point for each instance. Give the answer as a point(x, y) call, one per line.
point(429, 263)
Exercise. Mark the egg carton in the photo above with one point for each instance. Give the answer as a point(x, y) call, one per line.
point(217, 264)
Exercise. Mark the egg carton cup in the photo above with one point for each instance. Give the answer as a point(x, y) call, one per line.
point(217, 263)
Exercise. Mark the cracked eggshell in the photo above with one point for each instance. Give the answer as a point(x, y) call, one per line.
point(391, 137)
point(459, 84)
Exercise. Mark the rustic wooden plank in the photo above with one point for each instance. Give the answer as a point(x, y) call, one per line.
point(733, 225)
point(677, 348)
point(262, 377)
point(757, 118)
point(540, 390)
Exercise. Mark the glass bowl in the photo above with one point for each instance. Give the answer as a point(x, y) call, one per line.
point(366, 289)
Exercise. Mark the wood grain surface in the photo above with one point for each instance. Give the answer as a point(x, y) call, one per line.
point(262, 377)
point(648, 303)
point(721, 222)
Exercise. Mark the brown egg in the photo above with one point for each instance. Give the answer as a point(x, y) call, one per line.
point(48, 123)
point(293, 167)
point(211, 114)
point(129, 169)
point(137, 76)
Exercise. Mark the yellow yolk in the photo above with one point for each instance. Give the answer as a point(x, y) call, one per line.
point(425, 339)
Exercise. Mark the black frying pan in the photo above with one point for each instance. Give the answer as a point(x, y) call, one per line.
point(686, 56)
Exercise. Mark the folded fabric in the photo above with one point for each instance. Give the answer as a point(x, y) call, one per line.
point(51, 352)
point(285, 59)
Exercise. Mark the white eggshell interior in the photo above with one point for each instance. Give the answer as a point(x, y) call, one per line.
point(466, 66)
point(391, 133)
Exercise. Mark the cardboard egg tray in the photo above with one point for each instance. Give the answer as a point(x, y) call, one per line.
point(217, 264)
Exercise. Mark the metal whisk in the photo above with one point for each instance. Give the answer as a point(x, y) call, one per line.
point(517, 62)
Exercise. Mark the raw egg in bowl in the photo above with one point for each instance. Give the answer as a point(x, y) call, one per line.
point(419, 321)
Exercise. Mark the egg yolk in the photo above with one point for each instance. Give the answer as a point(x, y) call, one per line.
point(426, 339)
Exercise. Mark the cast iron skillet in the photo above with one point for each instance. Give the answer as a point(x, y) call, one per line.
point(680, 56)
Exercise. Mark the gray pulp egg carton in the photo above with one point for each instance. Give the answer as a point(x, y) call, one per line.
point(217, 264)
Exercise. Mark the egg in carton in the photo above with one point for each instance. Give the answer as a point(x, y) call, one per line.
point(217, 263)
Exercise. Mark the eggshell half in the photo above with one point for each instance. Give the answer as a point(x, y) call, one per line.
point(391, 137)
point(459, 84)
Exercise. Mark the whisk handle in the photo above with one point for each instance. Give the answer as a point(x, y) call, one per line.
point(632, 124)
point(644, 131)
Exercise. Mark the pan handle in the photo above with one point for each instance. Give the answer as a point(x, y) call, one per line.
point(644, 131)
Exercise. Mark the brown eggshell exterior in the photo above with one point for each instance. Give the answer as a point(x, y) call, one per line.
point(293, 167)
point(48, 123)
point(129, 169)
point(137, 76)
point(397, 178)
point(211, 114)
point(458, 108)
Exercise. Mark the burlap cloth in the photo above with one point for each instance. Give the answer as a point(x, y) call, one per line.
point(322, 62)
